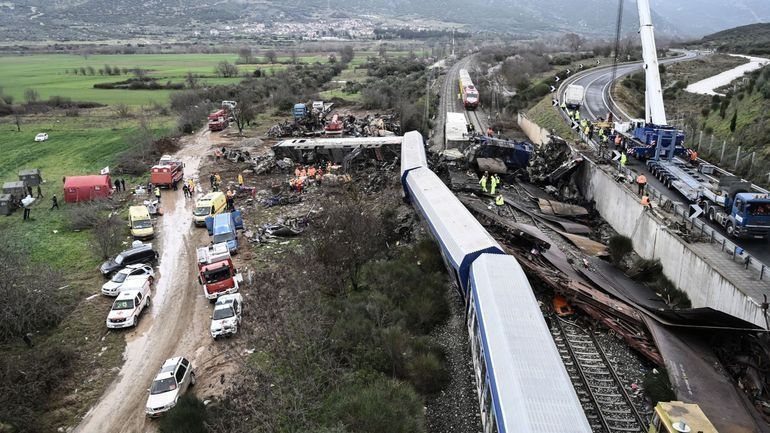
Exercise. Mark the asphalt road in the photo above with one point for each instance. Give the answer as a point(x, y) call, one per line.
point(598, 102)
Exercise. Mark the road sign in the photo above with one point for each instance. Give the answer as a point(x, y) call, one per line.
point(554, 102)
point(695, 211)
point(580, 66)
point(568, 72)
point(553, 89)
point(557, 78)
point(615, 155)
point(598, 62)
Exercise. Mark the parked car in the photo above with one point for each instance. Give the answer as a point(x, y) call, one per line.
point(143, 253)
point(227, 315)
point(174, 378)
point(41, 137)
point(128, 306)
point(137, 271)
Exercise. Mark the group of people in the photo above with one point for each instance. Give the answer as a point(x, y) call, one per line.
point(493, 181)
point(120, 185)
point(306, 174)
point(188, 187)
point(215, 180)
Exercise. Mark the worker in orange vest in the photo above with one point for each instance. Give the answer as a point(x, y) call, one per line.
point(641, 183)
point(646, 202)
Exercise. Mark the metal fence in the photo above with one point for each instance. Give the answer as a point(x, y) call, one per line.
point(737, 253)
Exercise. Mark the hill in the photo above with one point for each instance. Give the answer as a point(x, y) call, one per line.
point(112, 19)
point(753, 39)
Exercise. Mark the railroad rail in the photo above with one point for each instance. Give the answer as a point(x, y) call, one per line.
point(608, 406)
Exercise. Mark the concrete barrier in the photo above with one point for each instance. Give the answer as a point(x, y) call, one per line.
point(705, 285)
point(536, 134)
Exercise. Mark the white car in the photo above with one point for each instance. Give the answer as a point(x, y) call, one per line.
point(130, 272)
point(41, 137)
point(174, 378)
point(127, 308)
point(227, 315)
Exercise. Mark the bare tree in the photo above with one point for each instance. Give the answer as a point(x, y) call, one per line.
point(271, 56)
point(31, 96)
point(191, 80)
point(573, 41)
point(382, 51)
point(245, 112)
point(226, 69)
point(108, 235)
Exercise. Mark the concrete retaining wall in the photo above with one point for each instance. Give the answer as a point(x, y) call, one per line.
point(705, 286)
point(535, 133)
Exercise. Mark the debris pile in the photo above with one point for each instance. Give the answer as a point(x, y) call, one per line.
point(348, 125)
point(552, 161)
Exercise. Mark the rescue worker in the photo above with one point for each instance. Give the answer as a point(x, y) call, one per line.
point(218, 178)
point(157, 193)
point(490, 132)
point(641, 183)
point(618, 139)
point(563, 105)
point(186, 190)
point(623, 159)
point(499, 201)
point(54, 203)
point(212, 180)
point(494, 180)
point(483, 181)
point(645, 202)
point(694, 157)
point(191, 182)
point(577, 115)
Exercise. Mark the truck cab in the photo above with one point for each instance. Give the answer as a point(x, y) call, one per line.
point(216, 271)
point(223, 229)
point(750, 216)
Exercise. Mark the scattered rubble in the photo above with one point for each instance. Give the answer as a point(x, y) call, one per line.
point(315, 124)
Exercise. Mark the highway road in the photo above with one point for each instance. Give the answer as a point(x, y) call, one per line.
point(598, 102)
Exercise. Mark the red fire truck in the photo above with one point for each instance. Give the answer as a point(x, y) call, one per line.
point(216, 271)
point(167, 172)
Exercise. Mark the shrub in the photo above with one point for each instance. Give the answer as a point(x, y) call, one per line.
point(658, 387)
point(374, 405)
point(618, 248)
point(427, 372)
point(188, 416)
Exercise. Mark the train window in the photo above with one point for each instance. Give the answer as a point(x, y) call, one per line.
point(483, 366)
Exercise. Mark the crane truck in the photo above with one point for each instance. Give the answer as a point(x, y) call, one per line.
point(742, 209)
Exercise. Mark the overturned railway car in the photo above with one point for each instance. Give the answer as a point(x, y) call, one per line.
point(521, 381)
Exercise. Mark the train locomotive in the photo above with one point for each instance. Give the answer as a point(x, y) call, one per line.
point(469, 92)
point(522, 383)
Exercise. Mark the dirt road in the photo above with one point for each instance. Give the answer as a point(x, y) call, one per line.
point(176, 324)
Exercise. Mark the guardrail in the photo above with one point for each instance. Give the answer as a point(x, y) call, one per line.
point(736, 252)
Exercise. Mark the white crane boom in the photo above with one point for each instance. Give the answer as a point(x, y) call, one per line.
point(655, 111)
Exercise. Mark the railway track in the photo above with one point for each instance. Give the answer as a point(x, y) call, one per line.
point(608, 406)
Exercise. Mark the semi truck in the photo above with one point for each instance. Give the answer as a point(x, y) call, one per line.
point(728, 200)
point(166, 172)
point(573, 96)
point(216, 272)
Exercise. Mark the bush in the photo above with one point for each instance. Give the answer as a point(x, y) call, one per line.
point(374, 405)
point(618, 248)
point(671, 295)
point(427, 372)
point(658, 387)
point(188, 416)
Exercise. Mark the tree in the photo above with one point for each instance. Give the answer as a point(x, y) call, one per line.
point(733, 121)
point(226, 69)
point(245, 55)
point(332, 58)
point(31, 96)
point(293, 56)
point(347, 54)
point(245, 112)
point(191, 80)
point(382, 51)
point(91, 70)
point(271, 56)
point(573, 41)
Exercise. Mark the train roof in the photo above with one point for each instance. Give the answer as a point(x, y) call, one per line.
point(412, 152)
point(460, 235)
point(533, 389)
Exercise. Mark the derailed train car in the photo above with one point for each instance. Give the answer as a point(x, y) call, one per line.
point(521, 381)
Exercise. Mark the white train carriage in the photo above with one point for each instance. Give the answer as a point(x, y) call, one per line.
point(469, 92)
point(412, 153)
point(522, 384)
point(460, 236)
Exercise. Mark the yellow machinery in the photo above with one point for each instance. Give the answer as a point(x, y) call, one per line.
point(678, 417)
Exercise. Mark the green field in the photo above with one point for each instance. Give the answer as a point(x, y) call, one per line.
point(51, 74)
point(76, 146)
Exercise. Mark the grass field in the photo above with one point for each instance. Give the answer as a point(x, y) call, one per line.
point(51, 74)
point(77, 146)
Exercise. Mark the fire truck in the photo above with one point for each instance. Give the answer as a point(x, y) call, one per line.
point(216, 272)
point(167, 172)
